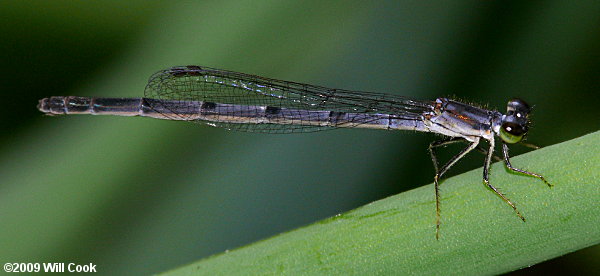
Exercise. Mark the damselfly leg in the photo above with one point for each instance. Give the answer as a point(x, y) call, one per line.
point(439, 172)
point(510, 167)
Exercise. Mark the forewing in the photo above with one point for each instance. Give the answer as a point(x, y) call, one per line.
point(187, 85)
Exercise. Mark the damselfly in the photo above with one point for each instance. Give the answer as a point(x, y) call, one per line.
point(243, 102)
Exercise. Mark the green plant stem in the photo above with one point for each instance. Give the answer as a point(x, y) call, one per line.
point(480, 234)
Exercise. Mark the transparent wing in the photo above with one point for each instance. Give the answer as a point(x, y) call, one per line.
point(187, 85)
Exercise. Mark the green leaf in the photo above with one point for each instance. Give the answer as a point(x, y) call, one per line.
point(480, 234)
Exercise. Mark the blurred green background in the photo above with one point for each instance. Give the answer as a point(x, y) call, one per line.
point(136, 195)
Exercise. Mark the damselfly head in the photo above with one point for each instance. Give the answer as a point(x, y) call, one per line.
point(514, 122)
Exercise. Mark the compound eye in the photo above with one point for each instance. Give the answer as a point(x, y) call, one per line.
point(518, 108)
point(512, 133)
